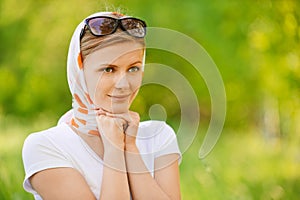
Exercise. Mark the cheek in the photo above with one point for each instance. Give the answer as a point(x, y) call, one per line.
point(96, 87)
point(102, 88)
point(136, 82)
point(135, 86)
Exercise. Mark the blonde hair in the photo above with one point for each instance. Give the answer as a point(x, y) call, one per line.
point(90, 43)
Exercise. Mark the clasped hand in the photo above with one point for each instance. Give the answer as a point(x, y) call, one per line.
point(117, 130)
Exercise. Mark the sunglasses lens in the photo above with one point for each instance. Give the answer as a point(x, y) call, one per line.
point(134, 27)
point(102, 26)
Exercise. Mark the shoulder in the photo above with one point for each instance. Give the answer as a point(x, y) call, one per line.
point(157, 133)
point(38, 138)
point(155, 129)
point(56, 133)
point(46, 142)
point(48, 148)
point(45, 149)
point(157, 138)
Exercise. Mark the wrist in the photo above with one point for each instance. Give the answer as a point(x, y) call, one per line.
point(114, 149)
point(114, 158)
point(131, 147)
point(129, 140)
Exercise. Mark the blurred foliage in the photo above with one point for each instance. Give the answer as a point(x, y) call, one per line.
point(255, 44)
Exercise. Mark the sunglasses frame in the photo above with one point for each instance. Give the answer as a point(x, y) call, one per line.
point(118, 21)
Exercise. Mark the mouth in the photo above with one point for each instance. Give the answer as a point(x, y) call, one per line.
point(119, 98)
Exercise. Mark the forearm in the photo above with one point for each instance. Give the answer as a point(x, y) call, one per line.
point(115, 181)
point(142, 184)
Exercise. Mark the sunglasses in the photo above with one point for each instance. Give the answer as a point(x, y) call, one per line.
point(104, 25)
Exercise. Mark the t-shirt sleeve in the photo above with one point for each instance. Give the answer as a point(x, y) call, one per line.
point(166, 142)
point(40, 153)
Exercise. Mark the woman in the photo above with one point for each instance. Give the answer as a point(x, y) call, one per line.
point(100, 149)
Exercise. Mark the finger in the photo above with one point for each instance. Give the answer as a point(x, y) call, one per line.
point(116, 120)
point(101, 111)
point(129, 116)
point(124, 116)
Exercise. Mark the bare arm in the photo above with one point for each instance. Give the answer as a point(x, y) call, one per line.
point(69, 184)
point(114, 180)
point(61, 184)
point(143, 185)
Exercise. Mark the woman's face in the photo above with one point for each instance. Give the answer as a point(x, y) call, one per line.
point(113, 75)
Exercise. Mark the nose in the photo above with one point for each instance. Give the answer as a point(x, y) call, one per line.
point(122, 82)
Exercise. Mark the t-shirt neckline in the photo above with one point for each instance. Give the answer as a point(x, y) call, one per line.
point(86, 146)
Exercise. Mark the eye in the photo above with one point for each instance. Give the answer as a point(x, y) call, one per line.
point(134, 69)
point(108, 69)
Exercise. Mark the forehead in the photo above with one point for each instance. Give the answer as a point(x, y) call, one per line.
point(124, 51)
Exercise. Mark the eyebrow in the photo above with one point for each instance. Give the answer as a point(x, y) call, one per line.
point(137, 62)
point(108, 65)
point(111, 65)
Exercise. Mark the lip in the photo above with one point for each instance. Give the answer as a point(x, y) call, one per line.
point(119, 98)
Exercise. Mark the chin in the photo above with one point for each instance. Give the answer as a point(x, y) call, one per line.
point(118, 108)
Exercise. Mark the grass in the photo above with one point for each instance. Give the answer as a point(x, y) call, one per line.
point(241, 166)
point(11, 167)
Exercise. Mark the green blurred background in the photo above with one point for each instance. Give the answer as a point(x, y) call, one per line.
point(255, 45)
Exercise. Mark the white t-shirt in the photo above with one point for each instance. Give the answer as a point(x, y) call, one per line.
point(60, 146)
